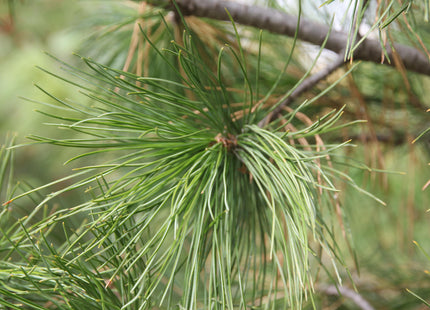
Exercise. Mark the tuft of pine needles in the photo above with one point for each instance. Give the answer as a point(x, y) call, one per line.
point(189, 202)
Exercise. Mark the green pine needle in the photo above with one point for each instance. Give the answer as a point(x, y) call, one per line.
point(189, 202)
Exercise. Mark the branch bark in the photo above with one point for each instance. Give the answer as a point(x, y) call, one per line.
point(307, 84)
point(309, 31)
point(348, 293)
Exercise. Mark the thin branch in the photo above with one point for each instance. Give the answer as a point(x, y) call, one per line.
point(348, 293)
point(307, 84)
point(315, 33)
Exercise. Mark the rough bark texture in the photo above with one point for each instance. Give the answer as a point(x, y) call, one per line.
point(315, 33)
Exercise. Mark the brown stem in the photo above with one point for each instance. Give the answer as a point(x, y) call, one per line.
point(347, 293)
point(307, 84)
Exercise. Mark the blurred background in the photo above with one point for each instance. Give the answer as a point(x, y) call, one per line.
point(383, 236)
point(29, 30)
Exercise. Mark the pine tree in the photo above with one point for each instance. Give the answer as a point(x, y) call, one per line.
point(211, 165)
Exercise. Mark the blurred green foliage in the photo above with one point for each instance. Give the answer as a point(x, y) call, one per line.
point(28, 29)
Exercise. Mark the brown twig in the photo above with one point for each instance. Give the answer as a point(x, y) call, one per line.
point(348, 293)
point(307, 84)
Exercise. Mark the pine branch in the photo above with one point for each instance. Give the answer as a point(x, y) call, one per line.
point(348, 293)
point(315, 33)
point(307, 84)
